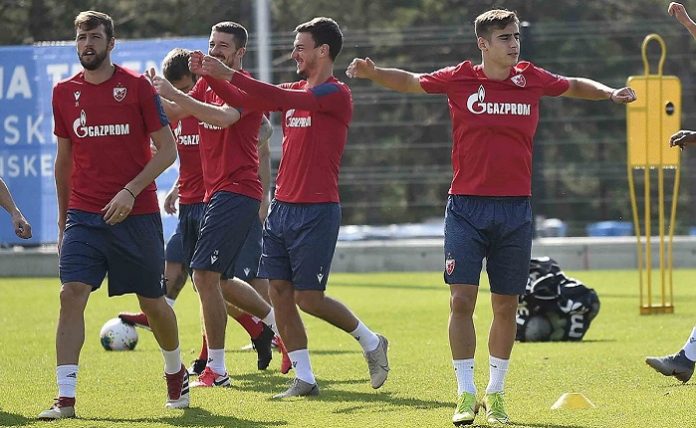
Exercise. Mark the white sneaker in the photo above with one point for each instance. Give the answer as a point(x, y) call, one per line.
point(377, 363)
point(63, 407)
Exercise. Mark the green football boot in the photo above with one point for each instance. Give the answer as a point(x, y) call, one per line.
point(467, 407)
point(495, 408)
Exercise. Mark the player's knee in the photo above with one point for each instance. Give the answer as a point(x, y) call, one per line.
point(505, 308)
point(72, 296)
point(153, 308)
point(205, 280)
point(309, 302)
point(462, 305)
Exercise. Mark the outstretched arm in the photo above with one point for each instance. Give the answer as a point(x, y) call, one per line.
point(678, 11)
point(392, 78)
point(21, 225)
point(241, 90)
point(589, 89)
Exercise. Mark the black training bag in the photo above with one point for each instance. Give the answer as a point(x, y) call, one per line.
point(554, 307)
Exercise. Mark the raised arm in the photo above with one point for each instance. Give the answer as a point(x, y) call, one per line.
point(391, 78)
point(678, 11)
point(21, 225)
point(244, 91)
point(181, 105)
point(589, 89)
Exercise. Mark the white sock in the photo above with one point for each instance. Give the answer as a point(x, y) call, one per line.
point(269, 320)
point(172, 361)
point(216, 361)
point(498, 370)
point(690, 346)
point(169, 301)
point(368, 340)
point(464, 371)
point(302, 366)
point(66, 375)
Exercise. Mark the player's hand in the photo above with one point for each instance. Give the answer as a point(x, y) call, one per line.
point(118, 208)
point(214, 68)
point(682, 139)
point(360, 68)
point(163, 87)
point(21, 226)
point(623, 96)
point(170, 201)
point(195, 62)
point(678, 11)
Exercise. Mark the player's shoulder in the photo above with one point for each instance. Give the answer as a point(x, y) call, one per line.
point(464, 69)
point(76, 79)
point(331, 86)
point(528, 68)
point(127, 73)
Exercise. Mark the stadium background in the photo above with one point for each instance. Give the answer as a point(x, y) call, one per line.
point(396, 167)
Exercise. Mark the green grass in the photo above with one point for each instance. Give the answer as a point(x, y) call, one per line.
point(126, 389)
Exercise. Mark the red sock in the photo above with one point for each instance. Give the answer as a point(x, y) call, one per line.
point(254, 328)
point(204, 350)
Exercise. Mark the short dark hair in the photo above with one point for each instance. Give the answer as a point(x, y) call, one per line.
point(90, 19)
point(175, 65)
point(237, 30)
point(324, 31)
point(493, 19)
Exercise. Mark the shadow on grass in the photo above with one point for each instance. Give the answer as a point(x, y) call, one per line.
point(275, 384)
point(537, 425)
point(196, 417)
point(13, 420)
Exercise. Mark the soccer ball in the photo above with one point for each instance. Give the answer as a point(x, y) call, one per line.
point(116, 335)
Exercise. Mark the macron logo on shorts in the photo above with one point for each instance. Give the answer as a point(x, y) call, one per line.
point(214, 257)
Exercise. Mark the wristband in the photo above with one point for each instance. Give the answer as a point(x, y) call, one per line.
point(129, 191)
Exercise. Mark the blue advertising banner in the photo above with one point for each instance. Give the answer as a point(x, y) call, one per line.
point(27, 143)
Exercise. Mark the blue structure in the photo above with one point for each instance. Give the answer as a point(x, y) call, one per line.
point(27, 144)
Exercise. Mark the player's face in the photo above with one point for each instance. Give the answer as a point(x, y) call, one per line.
point(93, 47)
point(503, 48)
point(184, 84)
point(305, 53)
point(223, 47)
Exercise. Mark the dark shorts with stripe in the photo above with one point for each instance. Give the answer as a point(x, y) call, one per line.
point(498, 229)
point(224, 228)
point(174, 250)
point(132, 252)
point(247, 266)
point(299, 241)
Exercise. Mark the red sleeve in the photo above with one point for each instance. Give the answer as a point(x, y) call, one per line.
point(59, 127)
point(277, 98)
point(438, 81)
point(151, 106)
point(553, 84)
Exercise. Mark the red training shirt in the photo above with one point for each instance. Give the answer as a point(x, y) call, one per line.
point(191, 188)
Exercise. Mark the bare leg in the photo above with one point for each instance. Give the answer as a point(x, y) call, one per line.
point(287, 317)
point(316, 303)
point(70, 335)
point(504, 325)
point(176, 278)
point(462, 335)
point(213, 305)
point(162, 321)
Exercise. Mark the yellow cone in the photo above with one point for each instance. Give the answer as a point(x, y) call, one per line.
point(572, 400)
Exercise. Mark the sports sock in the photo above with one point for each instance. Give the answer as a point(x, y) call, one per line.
point(269, 320)
point(464, 371)
point(498, 369)
point(66, 376)
point(302, 366)
point(690, 346)
point(172, 361)
point(216, 361)
point(367, 339)
point(254, 328)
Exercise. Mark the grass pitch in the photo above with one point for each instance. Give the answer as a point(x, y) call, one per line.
point(126, 388)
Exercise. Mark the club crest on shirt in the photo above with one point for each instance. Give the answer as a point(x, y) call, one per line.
point(519, 80)
point(120, 93)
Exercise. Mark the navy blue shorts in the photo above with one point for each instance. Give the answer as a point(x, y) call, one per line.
point(190, 218)
point(496, 228)
point(224, 228)
point(174, 251)
point(299, 241)
point(247, 266)
point(132, 252)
